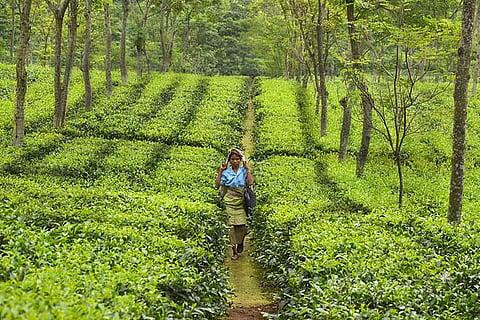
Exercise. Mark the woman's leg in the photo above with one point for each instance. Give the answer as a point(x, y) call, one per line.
point(237, 236)
point(233, 240)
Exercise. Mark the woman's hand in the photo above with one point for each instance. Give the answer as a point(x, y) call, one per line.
point(246, 165)
point(223, 167)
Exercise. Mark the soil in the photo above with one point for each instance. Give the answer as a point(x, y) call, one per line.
point(251, 313)
point(250, 301)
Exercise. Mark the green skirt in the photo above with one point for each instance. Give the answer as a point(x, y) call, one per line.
point(236, 212)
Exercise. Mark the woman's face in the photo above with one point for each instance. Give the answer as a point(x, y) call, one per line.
point(235, 160)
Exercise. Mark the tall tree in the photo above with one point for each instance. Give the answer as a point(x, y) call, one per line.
point(19, 117)
point(86, 54)
point(356, 75)
point(141, 33)
point(108, 44)
point(346, 104)
point(123, 42)
point(58, 10)
point(309, 17)
point(169, 12)
point(191, 11)
point(476, 72)
point(405, 46)
point(460, 114)
point(274, 38)
point(346, 101)
point(13, 28)
point(323, 93)
point(367, 106)
point(70, 59)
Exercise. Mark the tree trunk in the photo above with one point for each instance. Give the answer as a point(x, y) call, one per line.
point(141, 36)
point(86, 54)
point(367, 101)
point(347, 108)
point(460, 114)
point(167, 35)
point(108, 54)
point(398, 160)
point(186, 42)
point(123, 43)
point(72, 39)
point(57, 117)
point(366, 132)
point(316, 81)
point(476, 72)
point(139, 61)
point(19, 116)
point(59, 14)
point(148, 61)
point(321, 68)
point(12, 30)
point(163, 32)
point(346, 124)
point(46, 43)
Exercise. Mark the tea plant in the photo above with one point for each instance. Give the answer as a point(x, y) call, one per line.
point(112, 249)
point(218, 119)
point(339, 249)
point(170, 120)
point(99, 220)
point(279, 127)
point(109, 116)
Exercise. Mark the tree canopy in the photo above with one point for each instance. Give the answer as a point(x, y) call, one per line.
point(248, 37)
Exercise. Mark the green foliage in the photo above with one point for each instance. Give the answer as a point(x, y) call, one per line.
point(116, 216)
point(218, 121)
point(186, 171)
point(172, 118)
point(115, 116)
point(220, 45)
point(337, 247)
point(126, 254)
point(37, 145)
point(96, 221)
point(279, 130)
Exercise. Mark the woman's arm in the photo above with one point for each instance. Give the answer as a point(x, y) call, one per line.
point(222, 168)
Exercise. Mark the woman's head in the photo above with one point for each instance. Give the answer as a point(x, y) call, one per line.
point(235, 154)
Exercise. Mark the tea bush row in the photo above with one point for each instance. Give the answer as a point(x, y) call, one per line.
point(116, 116)
point(171, 119)
point(218, 121)
point(338, 246)
point(73, 252)
point(141, 166)
point(40, 100)
point(100, 221)
point(278, 127)
point(61, 204)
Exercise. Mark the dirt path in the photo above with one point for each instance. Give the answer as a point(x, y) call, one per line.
point(249, 301)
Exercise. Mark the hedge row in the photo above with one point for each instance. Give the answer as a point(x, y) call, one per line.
point(278, 127)
point(170, 120)
point(100, 220)
point(218, 121)
point(339, 248)
point(72, 252)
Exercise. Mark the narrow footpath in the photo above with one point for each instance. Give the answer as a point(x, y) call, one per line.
point(250, 301)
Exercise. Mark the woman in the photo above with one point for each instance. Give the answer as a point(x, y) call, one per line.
point(232, 181)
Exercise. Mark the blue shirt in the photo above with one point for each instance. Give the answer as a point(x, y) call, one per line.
point(231, 179)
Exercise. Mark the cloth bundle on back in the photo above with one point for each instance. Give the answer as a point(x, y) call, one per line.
point(233, 181)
